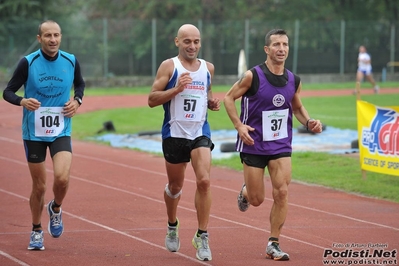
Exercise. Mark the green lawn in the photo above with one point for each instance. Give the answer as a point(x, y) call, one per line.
point(335, 171)
point(224, 88)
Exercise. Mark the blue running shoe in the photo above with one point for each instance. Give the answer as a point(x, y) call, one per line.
point(55, 225)
point(36, 240)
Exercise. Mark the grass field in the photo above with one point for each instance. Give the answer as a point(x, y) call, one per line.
point(335, 171)
point(311, 86)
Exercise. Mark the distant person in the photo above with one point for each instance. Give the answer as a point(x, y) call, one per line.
point(364, 68)
point(183, 86)
point(269, 95)
point(48, 76)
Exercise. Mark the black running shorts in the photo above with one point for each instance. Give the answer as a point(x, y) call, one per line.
point(261, 161)
point(178, 150)
point(35, 151)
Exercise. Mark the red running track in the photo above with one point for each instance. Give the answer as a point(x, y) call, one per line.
point(114, 212)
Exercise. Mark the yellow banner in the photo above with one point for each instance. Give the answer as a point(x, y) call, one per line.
point(378, 129)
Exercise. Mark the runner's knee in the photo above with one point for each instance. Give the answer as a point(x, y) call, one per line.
point(256, 201)
point(169, 193)
point(203, 185)
point(280, 195)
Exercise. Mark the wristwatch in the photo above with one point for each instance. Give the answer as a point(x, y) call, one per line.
point(79, 100)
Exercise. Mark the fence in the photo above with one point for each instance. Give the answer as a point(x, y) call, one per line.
point(107, 48)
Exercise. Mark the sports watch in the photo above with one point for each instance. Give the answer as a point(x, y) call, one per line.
point(79, 100)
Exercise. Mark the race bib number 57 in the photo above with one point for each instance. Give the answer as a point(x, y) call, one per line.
point(190, 107)
point(49, 121)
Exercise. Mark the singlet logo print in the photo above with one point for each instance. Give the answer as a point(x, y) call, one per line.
point(47, 78)
point(275, 115)
point(48, 111)
point(189, 116)
point(278, 100)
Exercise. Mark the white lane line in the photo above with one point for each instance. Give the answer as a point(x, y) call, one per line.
point(8, 256)
point(235, 191)
point(192, 181)
point(111, 229)
point(192, 210)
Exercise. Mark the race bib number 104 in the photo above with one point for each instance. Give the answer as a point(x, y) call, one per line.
point(49, 121)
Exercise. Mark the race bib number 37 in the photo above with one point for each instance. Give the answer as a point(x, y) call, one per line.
point(274, 124)
point(49, 121)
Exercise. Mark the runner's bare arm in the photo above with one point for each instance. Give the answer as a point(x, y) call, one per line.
point(236, 91)
point(213, 103)
point(158, 94)
point(302, 114)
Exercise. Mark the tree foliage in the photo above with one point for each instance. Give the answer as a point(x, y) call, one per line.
point(32, 12)
point(307, 11)
point(127, 25)
point(323, 10)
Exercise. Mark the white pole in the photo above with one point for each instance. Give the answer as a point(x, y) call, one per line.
point(105, 42)
point(296, 44)
point(392, 56)
point(342, 50)
point(246, 44)
point(242, 64)
point(154, 47)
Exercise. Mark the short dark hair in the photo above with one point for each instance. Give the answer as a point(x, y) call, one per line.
point(39, 30)
point(273, 32)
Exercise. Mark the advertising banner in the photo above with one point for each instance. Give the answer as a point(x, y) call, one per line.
point(378, 129)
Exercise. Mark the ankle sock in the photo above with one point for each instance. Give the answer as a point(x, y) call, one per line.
point(271, 240)
point(55, 205)
point(173, 224)
point(200, 232)
point(37, 227)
